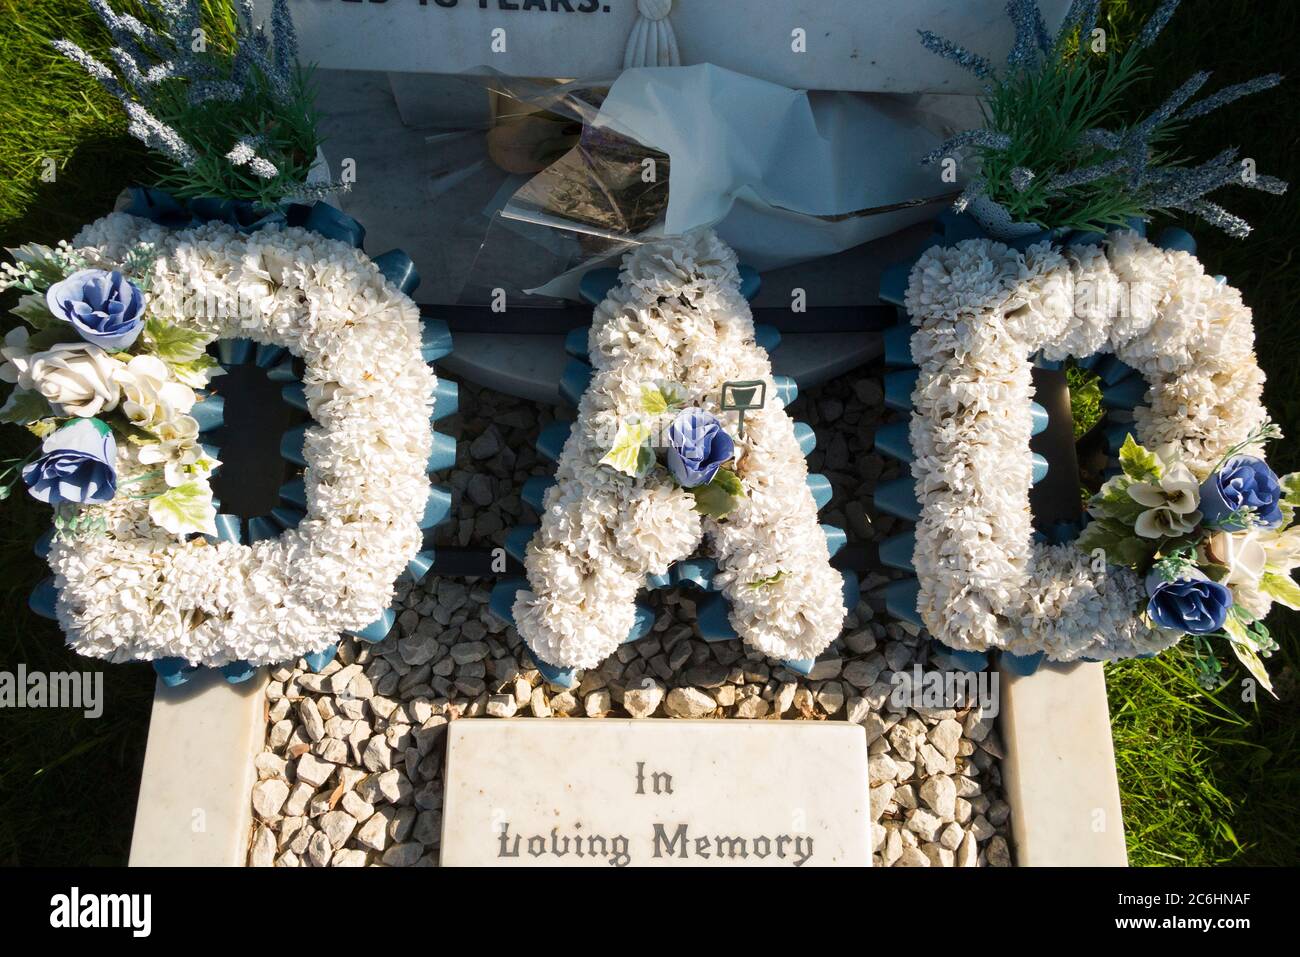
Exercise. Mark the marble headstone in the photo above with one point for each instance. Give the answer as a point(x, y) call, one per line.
point(866, 45)
point(657, 792)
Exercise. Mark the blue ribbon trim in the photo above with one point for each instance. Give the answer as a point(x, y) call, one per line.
point(166, 210)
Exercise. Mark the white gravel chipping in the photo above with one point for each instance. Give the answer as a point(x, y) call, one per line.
point(352, 772)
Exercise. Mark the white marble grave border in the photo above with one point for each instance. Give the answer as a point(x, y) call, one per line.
point(1058, 773)
point(195, 807)
point(1059, 770)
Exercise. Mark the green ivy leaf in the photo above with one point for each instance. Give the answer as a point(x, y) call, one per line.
point(129, 431)
point(1282, 589)
point(184, 509)
point(1133, 552)
point(730, 482)
point(52, 335)
point(631, 453)
point(197, 372)
point(1243, 646)
point(769, 580)
point(1214, 571)
point(1290, 496)
point(652, 400)
point(712, 501)
point(1101, 533)
point(718, 498)
point(32, 309)
point(645, 459)
point(1138, 464)
point(24, 407)
point(662, 396)
point(1117, 541)
point(1291, 487)
point(1114, 501)
point(173, 343)
point(674, 393)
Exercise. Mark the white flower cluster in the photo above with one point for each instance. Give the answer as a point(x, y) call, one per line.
point(981, 310)
point(677, 315)
point(136, 592)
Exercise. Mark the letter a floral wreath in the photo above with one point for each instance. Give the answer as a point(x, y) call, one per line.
point(1195, 534)
point(649, 469)
point(122, 317)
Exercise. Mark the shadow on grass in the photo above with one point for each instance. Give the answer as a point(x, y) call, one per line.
point(84, 189)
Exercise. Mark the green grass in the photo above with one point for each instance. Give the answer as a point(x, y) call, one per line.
point(1085, 398)
point(1205, 779)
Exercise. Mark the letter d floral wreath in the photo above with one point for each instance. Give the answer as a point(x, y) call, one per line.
point(1195, 534)
point(107, 380)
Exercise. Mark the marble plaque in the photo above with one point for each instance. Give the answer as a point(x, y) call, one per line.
point(804, 44)
point(530, 792)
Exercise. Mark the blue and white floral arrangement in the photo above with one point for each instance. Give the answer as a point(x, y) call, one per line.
point(92, 366)
point(1193, 538)
point(124, 327)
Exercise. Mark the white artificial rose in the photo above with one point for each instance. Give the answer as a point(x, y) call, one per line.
point(76, 378)
point(150, 397)
point(1242, 553)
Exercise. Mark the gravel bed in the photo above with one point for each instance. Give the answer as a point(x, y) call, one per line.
point(352, 771)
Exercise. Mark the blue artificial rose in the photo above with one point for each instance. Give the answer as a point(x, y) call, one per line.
point(105, 308)
point(1244, 481)
point(76, 465)
point(697, 447)
point(1191, 603)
